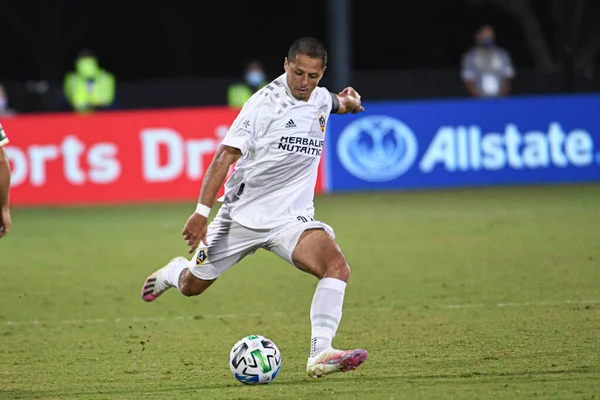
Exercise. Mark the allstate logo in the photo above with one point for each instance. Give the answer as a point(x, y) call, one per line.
point(377, 148)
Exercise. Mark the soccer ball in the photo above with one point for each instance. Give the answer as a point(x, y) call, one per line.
point(255, 360)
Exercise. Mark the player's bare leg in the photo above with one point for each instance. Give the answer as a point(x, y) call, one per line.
point(174, 274)
point(318, 254)
point(190, 285)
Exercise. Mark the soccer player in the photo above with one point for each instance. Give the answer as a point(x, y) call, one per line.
point(276, 142)
point(4, 186)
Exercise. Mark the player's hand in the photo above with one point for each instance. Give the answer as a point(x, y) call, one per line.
point(194, 231)
point(354, 94)
point(4, 221)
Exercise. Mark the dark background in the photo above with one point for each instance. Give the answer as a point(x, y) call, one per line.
point(172, 41)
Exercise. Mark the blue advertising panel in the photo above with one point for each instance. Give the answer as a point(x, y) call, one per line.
point(434, 144)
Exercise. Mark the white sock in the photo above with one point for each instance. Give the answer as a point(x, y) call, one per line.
point(174, 272)
point(326, 313)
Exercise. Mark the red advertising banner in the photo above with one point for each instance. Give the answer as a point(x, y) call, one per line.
point(114, 157)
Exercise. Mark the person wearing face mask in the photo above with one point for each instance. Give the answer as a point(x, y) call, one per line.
point(89, 87)
point(4, 110)
point(254, 79)
point(487, 69)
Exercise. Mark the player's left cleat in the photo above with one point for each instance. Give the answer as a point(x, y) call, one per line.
point(157, 283)
point(332, 360)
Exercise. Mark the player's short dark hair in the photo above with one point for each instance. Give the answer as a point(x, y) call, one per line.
point(312, 47)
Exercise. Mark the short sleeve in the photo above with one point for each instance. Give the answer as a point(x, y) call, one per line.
point(335, 104)
point(3, 137)
point(326, 99)
point(468, 72)
point(508, 70)
point(250, 123)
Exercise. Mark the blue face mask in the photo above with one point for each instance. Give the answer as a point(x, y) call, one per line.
point(255, 78)
point(487, 42)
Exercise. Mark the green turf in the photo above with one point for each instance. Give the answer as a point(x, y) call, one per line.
point(470, 294)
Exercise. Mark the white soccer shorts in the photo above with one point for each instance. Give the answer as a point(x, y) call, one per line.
point(229, 242)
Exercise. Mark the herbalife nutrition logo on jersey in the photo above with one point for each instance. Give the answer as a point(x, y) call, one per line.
point(301, 145)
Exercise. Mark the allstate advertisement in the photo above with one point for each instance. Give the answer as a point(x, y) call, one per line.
point(405, 145)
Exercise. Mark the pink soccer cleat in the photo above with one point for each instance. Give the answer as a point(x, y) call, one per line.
point(157, 283)
point(332, 360)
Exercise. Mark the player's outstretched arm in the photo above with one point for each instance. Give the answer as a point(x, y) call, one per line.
point(349, 100)
point(194, 230)
point(4, 193)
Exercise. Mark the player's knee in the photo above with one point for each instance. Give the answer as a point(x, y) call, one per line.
point(338, 268)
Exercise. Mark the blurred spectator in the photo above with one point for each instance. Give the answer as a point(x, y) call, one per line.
point(487, 69)
point(254, 79)
point(89, 87)
point(4, 110)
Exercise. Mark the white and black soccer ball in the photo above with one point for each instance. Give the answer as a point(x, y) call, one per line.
point(255, 360)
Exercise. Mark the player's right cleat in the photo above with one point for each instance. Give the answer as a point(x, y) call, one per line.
point(332, 360)
point(157, 283)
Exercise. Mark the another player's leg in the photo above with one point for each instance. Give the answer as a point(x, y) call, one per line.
point(318, 254)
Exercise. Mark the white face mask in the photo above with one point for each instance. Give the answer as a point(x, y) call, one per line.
point(255, 78)
point(2, 103)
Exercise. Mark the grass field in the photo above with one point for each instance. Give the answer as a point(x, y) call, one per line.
point(470, 294)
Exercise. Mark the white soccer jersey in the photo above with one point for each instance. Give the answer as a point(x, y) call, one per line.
point(281, 139)
point(3, 137)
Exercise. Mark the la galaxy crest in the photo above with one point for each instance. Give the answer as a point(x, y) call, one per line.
point(201, 257)
point(322, 122)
